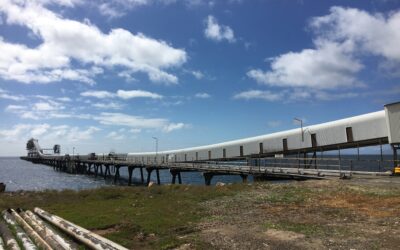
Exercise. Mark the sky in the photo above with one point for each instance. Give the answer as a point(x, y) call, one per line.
point(109, 75)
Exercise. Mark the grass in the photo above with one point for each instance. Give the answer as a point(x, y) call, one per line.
point(164, 217)
point(134, 217)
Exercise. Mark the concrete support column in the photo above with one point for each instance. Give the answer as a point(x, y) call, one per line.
point(96, 169)
point(207, 178)
point(149, 170)
point(116, 175)
point(395, 159)
point(101, 169)
point(141, 175)
point(130, 171)
point(158, 176)
point(174, 174)
point(107, 171)
point(244, 178)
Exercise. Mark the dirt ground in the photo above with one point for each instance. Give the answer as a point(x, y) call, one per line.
point(333, 214)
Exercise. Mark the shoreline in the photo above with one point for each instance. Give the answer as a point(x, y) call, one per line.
point(357, 213)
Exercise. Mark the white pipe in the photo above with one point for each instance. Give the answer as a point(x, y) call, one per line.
point(26, 241)
point(9, 241)
point(31, 232)
point(88, 238)
point(53, 234)
point(1, 244)
point(41, 231)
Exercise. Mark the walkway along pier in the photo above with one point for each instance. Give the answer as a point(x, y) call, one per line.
point(287, 154)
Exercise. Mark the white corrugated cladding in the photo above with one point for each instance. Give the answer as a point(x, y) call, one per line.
point(393, 120)
point(364, 127)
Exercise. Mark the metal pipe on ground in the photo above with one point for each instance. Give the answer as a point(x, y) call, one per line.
point(65, 243)
point(9, 241)
point(83, 235)
point(30, 231)
point(21, 235)
point(41, 231)
point(1, 243)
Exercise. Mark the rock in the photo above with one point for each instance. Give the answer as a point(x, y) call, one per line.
point(151, 184)
point(2, 187)
point(220, 184)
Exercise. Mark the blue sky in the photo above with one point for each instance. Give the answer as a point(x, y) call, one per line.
point(110, 75)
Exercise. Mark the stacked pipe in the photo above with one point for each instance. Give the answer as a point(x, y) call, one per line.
point(88, 238)
point(21, 235)
point(32, 231)
point(9, 241)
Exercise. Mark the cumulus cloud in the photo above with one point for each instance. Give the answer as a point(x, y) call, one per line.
point(64, 41)
point(343, 37)
point(377, 34)
point(218, 32)
point(123, 94)
point(328, 66)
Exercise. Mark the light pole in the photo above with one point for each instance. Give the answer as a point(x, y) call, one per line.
point(73, 151)
point(156, 139)
point(301, 124)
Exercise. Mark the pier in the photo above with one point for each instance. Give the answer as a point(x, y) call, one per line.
point(291, 154)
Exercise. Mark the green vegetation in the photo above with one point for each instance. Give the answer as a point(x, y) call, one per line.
point(132, 216)
point(307, 215)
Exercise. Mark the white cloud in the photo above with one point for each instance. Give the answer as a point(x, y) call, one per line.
point(202, 95)
point(47, 132)
point(123, 94)
point(45, 106)
point(197, 74)
point(135, 130)
point(258, 94)
point(328, 66)
point(115, 136)
point(293, 95)
point(129, 94)
point(14, 134)
point(64, 99)
point(174, 126)
point(5, 95)
point(217, 32)
point(343, 37)
point(98, 94)
point(14, 108)
point(65, 40)
point(110, 105)
point(41, 110)
point(137, 122)
point(377, 34)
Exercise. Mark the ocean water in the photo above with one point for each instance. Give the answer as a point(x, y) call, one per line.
point(23, 175)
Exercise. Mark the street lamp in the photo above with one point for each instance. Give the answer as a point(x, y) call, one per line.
point(156, 139)
point(301, 124)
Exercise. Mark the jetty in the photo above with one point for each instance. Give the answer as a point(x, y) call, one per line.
point(296, 153)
